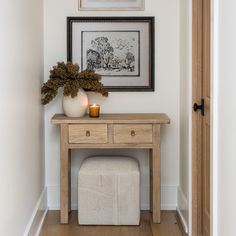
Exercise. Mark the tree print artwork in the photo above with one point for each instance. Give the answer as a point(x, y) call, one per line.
point(111, 53)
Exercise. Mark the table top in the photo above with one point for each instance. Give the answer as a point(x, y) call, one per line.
point(136, 118)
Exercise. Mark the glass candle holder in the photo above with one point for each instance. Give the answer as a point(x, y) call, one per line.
point(94, 110)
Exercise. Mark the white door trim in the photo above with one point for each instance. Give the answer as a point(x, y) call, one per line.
point(214, 116)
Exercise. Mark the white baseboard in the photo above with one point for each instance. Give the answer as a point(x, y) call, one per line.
point(182, 209)
point(168, 197)
point(36, 220)
point(182, 220)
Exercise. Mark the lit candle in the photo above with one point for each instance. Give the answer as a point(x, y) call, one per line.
point(94, 110)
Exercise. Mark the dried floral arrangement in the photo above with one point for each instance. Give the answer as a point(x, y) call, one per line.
point(68, 75)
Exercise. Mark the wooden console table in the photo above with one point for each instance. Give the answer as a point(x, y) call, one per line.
point(111, 131)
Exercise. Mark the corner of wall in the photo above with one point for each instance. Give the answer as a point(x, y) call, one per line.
point(37, 218)
point(182, 209)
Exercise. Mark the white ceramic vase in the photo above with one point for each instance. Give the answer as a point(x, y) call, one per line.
point(77, 106)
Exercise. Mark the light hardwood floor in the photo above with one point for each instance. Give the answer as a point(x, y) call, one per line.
point(168, 227)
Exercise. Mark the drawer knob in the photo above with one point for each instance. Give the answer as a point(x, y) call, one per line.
point(87, 133)
point(132, 133)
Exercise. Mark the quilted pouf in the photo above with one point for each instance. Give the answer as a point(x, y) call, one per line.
point(109, 191)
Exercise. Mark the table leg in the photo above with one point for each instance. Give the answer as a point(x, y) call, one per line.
point(64, 176)
point(155, 167)
point(151, 182)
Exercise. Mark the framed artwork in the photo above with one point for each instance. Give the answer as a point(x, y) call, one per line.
point(120, 49)
point(111, 5)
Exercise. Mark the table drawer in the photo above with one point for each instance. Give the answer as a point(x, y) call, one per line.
point(133, 133)
point(88, 133)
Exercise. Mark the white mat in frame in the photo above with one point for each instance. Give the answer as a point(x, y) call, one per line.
point(112, 5)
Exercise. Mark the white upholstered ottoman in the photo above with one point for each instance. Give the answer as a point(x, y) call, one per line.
point(109, 191)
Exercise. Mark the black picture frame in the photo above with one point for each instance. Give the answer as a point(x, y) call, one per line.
point(145, 81)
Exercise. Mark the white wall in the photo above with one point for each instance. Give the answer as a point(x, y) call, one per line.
point(21, 122)
point(224, 159)
point(185, 111)
point(164, 99)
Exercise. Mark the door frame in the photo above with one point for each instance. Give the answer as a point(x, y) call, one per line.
point(196, 117)
point(197, 62)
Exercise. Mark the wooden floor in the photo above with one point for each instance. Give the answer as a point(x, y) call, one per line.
point(168, 227)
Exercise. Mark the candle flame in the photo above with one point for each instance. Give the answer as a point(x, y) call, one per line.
point(94, 105)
